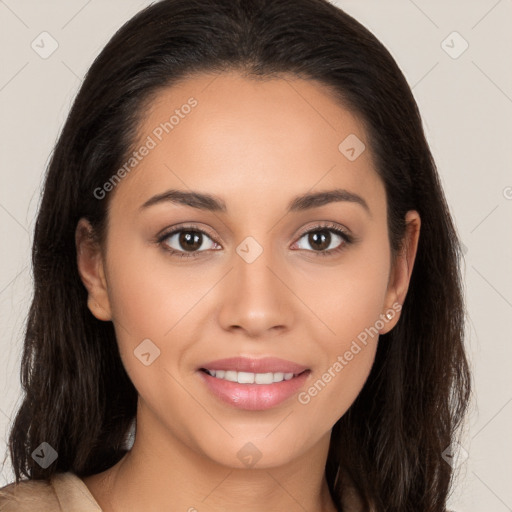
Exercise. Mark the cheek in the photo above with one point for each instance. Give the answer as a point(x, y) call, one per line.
point(153, 299)
point(350, 296)
point(334, 388)
point(148, 294)
point(150, 302)
point(351, 308)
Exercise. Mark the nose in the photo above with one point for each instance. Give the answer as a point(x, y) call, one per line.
point(257, 297)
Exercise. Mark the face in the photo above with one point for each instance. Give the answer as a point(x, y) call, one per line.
point(251, 270)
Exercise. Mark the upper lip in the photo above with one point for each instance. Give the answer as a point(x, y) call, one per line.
point(261, 365)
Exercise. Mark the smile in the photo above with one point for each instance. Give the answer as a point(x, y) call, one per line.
point(250, 378)
point(253, 391)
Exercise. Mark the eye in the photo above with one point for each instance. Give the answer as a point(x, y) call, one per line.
point(321, 239)
point(191, 241)
point(186, 241)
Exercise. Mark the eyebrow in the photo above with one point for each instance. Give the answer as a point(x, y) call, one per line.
point(213, 203)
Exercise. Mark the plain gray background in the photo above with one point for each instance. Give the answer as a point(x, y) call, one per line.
point(465, 98)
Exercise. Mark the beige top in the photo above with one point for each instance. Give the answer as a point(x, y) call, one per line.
point(65, 492)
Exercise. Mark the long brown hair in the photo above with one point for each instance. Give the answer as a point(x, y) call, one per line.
point(77, 395)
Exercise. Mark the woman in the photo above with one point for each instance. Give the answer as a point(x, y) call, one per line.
point(243, 251)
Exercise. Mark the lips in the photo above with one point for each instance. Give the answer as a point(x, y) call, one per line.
point(262, 365)
point(248, 394)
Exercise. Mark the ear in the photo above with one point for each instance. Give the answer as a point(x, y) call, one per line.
point(91, 270)
point(401, 272)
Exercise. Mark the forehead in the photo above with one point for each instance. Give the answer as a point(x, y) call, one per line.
point(246, 139)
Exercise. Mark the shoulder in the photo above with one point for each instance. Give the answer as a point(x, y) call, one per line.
point(28, 495)
point(63, 492)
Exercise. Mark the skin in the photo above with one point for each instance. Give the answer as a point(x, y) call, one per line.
point(256, 145)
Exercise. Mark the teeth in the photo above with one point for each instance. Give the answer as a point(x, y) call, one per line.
point(250, 378)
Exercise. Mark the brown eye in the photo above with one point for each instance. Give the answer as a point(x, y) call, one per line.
point(324, 240)
point(320, 240)
point(184, 240)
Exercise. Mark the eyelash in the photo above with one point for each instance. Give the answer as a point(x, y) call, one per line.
point(347, 239)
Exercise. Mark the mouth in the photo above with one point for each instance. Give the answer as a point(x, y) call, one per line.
point(253, 383)
point(253, 391)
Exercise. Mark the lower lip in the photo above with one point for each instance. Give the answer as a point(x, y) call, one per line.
point(254, 397)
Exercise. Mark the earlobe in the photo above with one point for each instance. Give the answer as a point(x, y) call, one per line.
point(91, 270)
point(97, 310)
point(402, 270)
